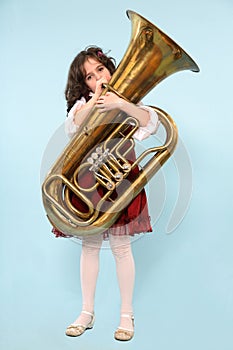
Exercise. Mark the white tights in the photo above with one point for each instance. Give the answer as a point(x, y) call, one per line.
point(89, 268)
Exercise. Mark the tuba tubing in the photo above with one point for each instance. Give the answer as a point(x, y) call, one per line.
point(150, 57)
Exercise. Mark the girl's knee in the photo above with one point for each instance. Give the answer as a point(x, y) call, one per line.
point(120, 246)
point(92, 244)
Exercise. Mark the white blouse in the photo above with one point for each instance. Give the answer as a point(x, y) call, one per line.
point(142, 133)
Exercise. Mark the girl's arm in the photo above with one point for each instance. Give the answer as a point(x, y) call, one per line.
point(81, 113)
point(147, 117)
point(135, 111)
point(111, 101)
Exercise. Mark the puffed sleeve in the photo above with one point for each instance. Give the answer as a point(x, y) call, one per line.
point(70, 127)
point(145, 131)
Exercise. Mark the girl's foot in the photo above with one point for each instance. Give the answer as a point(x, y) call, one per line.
point(84, 321)
point(125, 331)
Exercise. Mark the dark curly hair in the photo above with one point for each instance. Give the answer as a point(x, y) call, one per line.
point(76, 86)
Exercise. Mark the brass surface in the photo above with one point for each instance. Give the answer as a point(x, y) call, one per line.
point(99, 145)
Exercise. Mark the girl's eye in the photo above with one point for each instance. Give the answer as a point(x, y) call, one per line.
point(88, 77)
point(100, 69)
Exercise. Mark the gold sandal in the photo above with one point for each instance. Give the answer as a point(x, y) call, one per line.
point(124, 334)
point(76, 329)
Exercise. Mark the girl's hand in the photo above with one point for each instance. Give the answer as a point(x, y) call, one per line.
point(99, 87)
point(109, 102)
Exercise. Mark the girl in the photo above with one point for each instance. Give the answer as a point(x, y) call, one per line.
point(88, 72)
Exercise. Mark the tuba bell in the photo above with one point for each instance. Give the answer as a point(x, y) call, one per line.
point(100, 147)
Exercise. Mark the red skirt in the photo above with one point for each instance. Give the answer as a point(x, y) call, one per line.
point(134, 219)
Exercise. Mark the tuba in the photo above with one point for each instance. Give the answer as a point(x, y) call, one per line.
point(100, 147)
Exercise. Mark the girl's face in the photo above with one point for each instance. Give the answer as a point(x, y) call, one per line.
point(95, 72)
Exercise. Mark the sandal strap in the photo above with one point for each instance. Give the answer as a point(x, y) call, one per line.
point(76, 325)
point(125, 329)
point(87, 313)
point(128, 316)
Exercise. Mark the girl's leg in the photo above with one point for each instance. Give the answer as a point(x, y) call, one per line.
point(89, 268)
point(125, 268)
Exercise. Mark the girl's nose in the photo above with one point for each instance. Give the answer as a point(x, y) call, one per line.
point(98, 76)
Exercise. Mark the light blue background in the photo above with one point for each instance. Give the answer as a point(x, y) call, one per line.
point(184, 282)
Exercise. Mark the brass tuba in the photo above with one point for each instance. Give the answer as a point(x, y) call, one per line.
point(100, 147)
